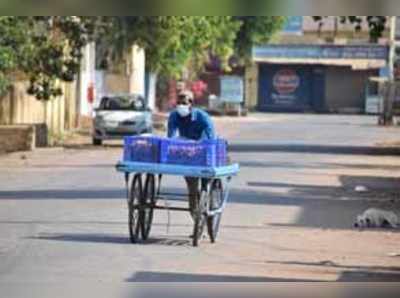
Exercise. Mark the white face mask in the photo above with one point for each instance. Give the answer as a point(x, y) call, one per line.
point(183, 110)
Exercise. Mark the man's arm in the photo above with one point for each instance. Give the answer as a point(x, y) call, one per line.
point(172, 126)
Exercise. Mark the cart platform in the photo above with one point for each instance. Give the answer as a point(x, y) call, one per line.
point(178, 170)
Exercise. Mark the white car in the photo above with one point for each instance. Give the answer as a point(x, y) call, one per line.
point(121, 115)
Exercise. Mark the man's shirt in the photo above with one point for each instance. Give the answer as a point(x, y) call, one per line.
point(197, 126)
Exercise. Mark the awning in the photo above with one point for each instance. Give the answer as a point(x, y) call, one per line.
point(355, 64)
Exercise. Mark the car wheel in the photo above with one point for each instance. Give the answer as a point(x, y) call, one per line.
point(97, 142)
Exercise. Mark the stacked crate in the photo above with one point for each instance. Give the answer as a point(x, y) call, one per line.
point(207, 153)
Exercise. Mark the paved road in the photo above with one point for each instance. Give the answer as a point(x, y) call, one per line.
point(63, 213)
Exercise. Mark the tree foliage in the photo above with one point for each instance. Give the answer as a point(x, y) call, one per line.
point(376, 24)
point(44, 49)
point(48, 49)
point(255, 30)
point(173, 42)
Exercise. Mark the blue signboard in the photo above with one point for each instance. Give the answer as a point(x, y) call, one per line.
point(231, 89)
point(384, 72)
point(285, 86)
point(294, 25)
point(321, 52)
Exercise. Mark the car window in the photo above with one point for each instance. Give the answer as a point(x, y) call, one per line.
point(122, 103)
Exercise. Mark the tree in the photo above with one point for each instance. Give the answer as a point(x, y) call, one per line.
point(255, 30)
point(48, 49)
point(174, 42)
point(12, 45)
point(44, 49)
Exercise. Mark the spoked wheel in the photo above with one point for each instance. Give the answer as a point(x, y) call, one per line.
point(216, 201)
point(200, 209)
point(135, 199)
point(148, 203)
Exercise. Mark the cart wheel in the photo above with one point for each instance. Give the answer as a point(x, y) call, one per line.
point(216, 200)
point(199, 217)
point(148, 201)
point(136, 194)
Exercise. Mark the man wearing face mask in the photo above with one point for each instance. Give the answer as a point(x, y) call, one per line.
point(191, 123)
point(194, 124)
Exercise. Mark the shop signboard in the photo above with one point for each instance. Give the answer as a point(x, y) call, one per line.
point(231, 89)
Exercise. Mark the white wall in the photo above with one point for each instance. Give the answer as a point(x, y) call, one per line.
point(137, 71)
point(100, 86)
point(151, 98)
point(87, 77)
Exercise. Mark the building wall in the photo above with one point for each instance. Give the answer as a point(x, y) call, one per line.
point(128, 76)
point(87, 77)
point(59, 114)
point(17, 138)
point(329, 88)
point(345, 88)
point(137, 71)
point(251, 86)
point(309, 33)
point(116, 83)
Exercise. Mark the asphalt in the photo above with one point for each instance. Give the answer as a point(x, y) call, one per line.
point(63, 215)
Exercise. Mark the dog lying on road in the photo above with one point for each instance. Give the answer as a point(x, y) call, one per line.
point(377, 218)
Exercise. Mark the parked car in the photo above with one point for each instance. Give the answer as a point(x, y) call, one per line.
point(121, 115)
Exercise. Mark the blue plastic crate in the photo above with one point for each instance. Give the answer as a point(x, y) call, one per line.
point(222, 152)
point(210, 153)
point(142, 149)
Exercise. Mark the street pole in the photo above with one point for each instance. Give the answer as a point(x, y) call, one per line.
point(389, 90)
point(392, 47)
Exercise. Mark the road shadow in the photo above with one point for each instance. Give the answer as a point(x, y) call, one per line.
point(145, 276)
point(360, 166)
point(313, 148)
point(89, 238)
point(173, 241)
point(330, 207)
point(377, 187)
point(61, 222)
point(322, 207)
point(188, 226)
point(91, 147)
point(168, 242)
point(330, 264)
point(63, 194)
point(353, 273)
point(366, 276)
point(259, 164)
point(75, 166)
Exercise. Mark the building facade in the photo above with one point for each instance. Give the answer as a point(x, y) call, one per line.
point(309, 68)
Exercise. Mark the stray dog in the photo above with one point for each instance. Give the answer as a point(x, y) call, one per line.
point(377, 218)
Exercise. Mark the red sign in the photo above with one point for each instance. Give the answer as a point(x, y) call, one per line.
point(286, 81)
point(90, 93)
point(198, 88)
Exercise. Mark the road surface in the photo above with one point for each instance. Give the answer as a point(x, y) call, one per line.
point(63, 215)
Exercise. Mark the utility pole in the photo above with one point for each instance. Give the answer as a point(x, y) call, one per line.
point(392, 47)
point(390, 89)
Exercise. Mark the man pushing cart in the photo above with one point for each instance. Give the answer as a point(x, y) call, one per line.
point(197, 155)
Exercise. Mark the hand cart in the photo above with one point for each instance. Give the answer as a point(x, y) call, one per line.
point(144, 192)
